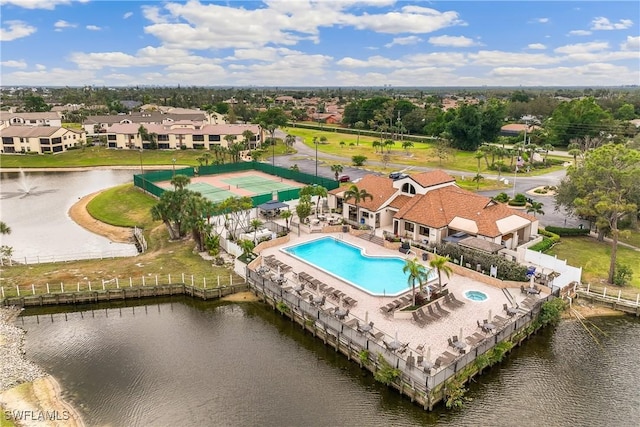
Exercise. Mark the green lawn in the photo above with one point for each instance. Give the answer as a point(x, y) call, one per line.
point(594, 258)
point(421, 154)
point(633, 239)
point(123, 206)
point(100, 156)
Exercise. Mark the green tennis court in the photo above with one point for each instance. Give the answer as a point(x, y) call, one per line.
point(215, 194)
point(258, 185)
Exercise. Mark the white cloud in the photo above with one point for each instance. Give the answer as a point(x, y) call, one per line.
point(40, 67)
point(93, 28)
point(403, 41)
point(452, 41)
point(580, 33)
point(36, 4)
point(536, 46)
point(62, 24)
point(127, 15)
point(16, 30)
point(542, 20)
point(632, 43)
point(602, 23)
point(62, 77)
point(585, 74)
point(582, 47)
point(411, 19)
point(14, 64)
point(501, 58)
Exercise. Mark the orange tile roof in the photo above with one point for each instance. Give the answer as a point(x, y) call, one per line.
point(380, 187)
point(400, 201)
point(434, 177)
point(439, 207)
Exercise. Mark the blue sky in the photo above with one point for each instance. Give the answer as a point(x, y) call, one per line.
point(319, 43)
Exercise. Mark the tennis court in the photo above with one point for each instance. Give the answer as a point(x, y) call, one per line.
point(213, 193)
point(258, 184)
point(220, 187)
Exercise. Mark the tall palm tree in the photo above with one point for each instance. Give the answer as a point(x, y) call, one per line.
point(358, 195)
point(289, 140)
point(337, 170)
point(286, 215)
point(4, 228)
point(535, 208)
point(248, 137)
point(321, 193)
point(255, 225)
point(417, 272)
point(439, 263)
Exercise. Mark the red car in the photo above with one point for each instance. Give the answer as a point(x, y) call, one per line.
point(344, 178)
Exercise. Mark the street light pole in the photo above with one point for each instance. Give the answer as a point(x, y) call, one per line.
point(316, 141)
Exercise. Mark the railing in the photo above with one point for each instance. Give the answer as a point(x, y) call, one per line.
point(65, 257)
point(610, 296)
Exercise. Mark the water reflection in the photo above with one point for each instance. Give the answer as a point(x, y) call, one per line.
point(35, 205)
point(186, 362)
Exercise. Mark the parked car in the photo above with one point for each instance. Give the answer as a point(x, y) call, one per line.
point(344, 178)
point(397, 175)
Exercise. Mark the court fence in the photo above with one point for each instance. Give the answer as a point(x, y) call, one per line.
point(147, 181)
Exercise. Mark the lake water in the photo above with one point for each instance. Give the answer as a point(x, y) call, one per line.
point(193, 363)
point(39, 221)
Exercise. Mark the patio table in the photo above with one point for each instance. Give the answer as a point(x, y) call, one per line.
point(489, 327)
point(512, 311)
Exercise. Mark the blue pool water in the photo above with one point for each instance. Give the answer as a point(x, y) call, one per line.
point(475, 295)
point(376, 275)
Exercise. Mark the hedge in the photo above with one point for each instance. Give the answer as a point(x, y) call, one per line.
point(562, 231)
point(507, 270)
point(548, 241)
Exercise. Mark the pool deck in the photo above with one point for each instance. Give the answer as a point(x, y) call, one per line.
point(435, 334)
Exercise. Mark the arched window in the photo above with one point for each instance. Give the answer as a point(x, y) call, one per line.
point(408, 188)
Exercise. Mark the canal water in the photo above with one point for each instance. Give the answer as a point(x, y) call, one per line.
point(192, 363)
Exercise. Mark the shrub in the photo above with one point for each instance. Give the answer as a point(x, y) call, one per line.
point(518, 200)
point(562, 231)
point(385, 373)
point(358, 160)
point(622, 275)
point(507, 270)
point(455, 394)
point(550, 311)
point(502, 198)
point(548, 241)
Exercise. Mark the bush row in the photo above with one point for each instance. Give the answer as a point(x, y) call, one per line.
point(548, 241)
point(507, 270)
point(562, 231)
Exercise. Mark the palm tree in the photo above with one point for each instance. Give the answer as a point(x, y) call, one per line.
point(286, 215)
point(406, 145)
point(4, 228)
point(337, 170)
point(439, 263)
point(358, 125)
point(179, 181)
point(321, 192)
point(375, 145)
point(535, 208)
point(289, 140)
point(417, 272)
point(144, 135)
point(477, 179)
point(547, 148)
point(358, 195)
point(255, 224)
point(247, 136)
point(388, 143)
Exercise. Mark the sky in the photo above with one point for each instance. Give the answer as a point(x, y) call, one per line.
point(306, 43)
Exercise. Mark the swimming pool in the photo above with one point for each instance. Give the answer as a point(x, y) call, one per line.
point(376, 275)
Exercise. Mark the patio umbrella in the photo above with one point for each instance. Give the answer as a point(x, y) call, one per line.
point(278, 270)
point(489, 315)
point(428, 357)
point(531, 281)
point(460, 336)
point(366, 317)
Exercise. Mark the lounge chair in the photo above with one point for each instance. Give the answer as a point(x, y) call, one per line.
point(440, 309)
point(479, 324)
point(420, 349)
point(522, 289)
point(424, 316)
point(419, 360)
point(456, 301)
point(433, 313)
point(450, 342)
point(417, 319)
point(448, 302)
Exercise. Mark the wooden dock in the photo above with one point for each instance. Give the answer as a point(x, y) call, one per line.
point(125, 293)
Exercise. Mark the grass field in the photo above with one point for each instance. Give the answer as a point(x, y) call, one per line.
point(421, 154)
point(123, 206)
point(594, 256)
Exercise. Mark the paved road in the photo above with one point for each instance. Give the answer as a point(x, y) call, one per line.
point(305, 158)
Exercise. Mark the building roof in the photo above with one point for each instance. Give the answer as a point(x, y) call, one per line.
point(170, 128)
point(431, 178)
point(463, 210)
point(144, 117)
point(29, 131)
point(46, 115)
point(518, 127)
point(380, 187)
point(481, 245)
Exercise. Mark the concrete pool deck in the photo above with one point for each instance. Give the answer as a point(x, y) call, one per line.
point(435, 334)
